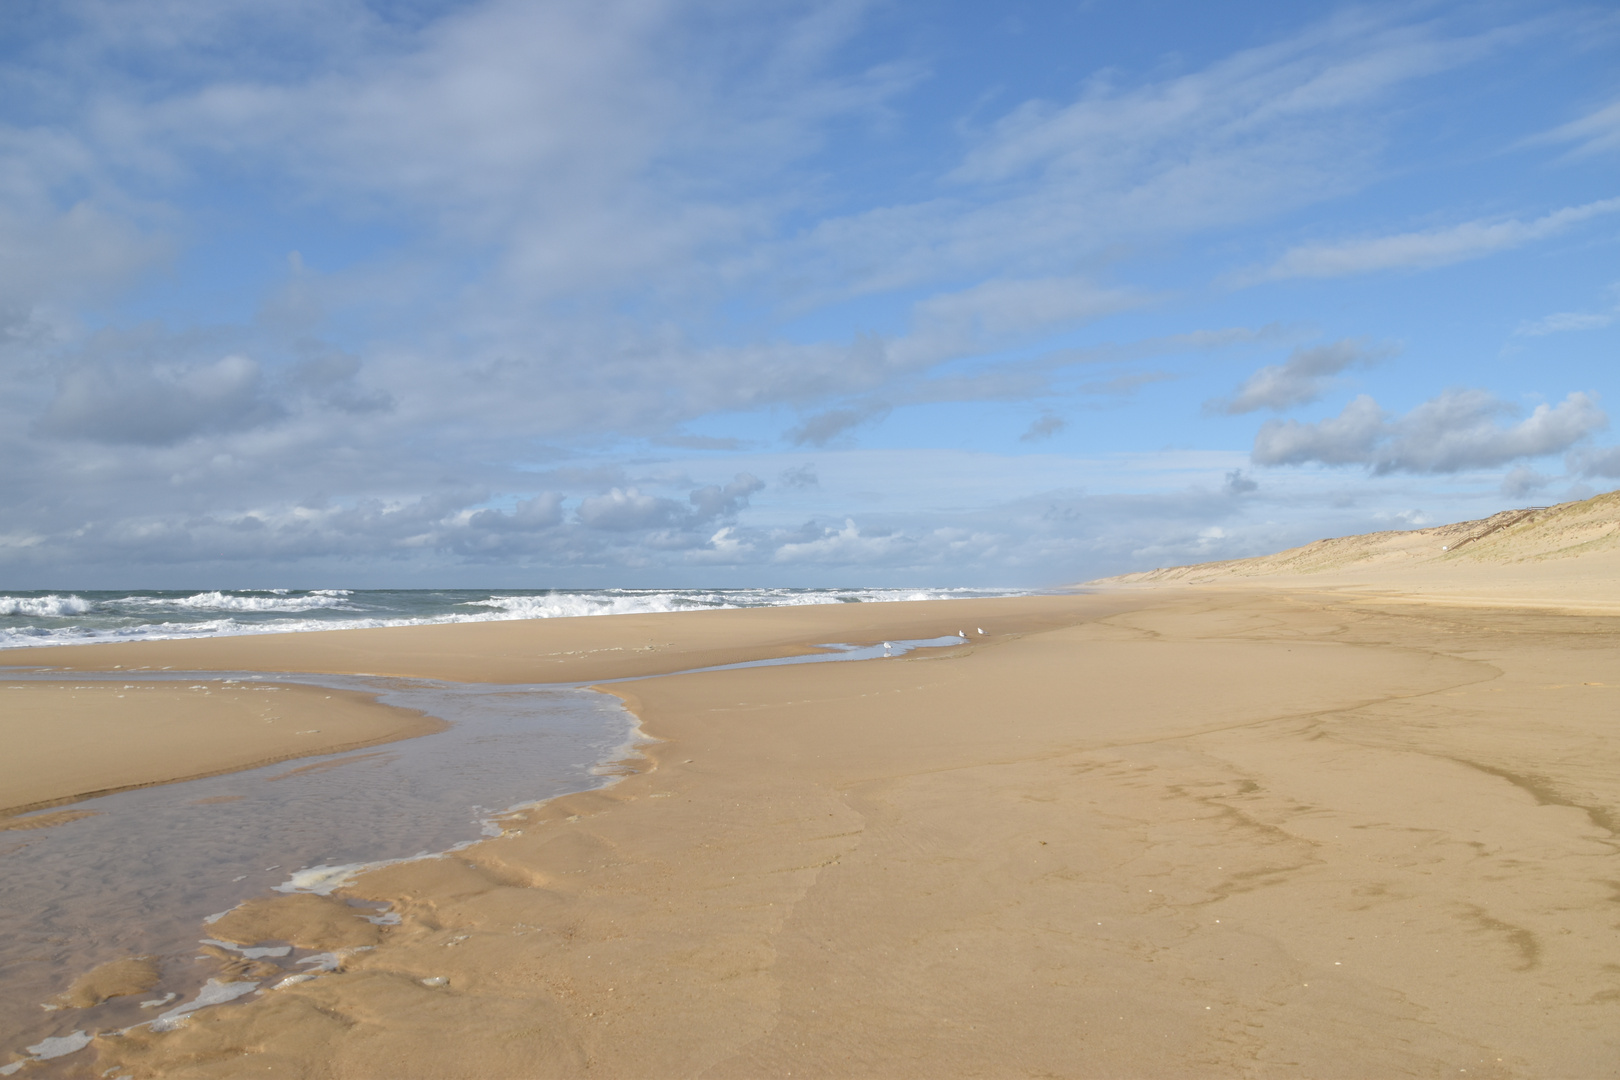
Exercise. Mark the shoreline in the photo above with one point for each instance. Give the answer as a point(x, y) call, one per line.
point(527, 652)
point(1315, 849)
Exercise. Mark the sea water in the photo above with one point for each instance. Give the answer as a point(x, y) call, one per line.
point(86, 616)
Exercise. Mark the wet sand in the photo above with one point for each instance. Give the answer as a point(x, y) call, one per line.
point(68, 741)
point(1168, 832)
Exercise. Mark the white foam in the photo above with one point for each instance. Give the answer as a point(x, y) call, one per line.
point(45, 607)
point(213, 992)
point(219, 601)
point(322, 880)
point(251, 954)
point(294, 980)
point(56, 1047)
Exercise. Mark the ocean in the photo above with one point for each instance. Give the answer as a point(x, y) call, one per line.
point(86, 616)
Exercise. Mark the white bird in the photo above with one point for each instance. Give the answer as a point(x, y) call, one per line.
point(981, 629)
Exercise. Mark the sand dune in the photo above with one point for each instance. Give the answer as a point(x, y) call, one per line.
point(1559, 556)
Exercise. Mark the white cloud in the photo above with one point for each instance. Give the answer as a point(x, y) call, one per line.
point(844, 546)
point(1455, 431)
point(1299, 380)
point(997, 312)
point(1563, 322)
point(1254, 135)
point(1429, 248)
point(1595, 133)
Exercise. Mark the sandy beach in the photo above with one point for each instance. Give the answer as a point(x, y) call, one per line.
point(1171, 829)
point(67, 741)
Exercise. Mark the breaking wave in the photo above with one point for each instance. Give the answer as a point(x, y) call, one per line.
point(91, 616)
point(221, 601)
point(49, 607)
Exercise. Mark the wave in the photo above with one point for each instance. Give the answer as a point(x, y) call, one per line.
point(139, 617)
point(45, 607)
point(219, 601)
point(627, 602)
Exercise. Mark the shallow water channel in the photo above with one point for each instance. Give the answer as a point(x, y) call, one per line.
point(142, 873)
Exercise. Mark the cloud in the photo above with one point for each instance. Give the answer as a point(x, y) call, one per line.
point(799, 478)
point(1596, 461)
point(698, 442)
point(1043, 427)
point(528, 515)
point(1427, 249)
point(1523, 481)
point(1455, 431)
point(1566, 321)
point(1597, 132)
point(843, 546)
point(822, 428)
point(1239, 484)
point(1262, 131)
point(624, 509)
point(1299, 380)
point(712, 501)
point(628, 509)
point(999, 311)
point(130, 403)
point(1563, 322)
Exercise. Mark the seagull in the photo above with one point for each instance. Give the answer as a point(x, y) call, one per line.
point(981, 629)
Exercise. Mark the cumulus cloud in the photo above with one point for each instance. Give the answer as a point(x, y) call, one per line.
point(847, 545)
point(1523, 481)
point(713, 501)
point(624, 509)
point(1299, 380)
point(528, 515)
point(629, 509)
point(1239, 484)
point(1596, 461)
point(1455, 431)
point(1429, 248)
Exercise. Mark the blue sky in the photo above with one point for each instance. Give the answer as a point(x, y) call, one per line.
point(649, 292)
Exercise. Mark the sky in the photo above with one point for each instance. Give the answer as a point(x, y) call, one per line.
point(680, 293)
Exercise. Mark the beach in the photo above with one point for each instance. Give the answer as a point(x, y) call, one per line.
point(1170, 832)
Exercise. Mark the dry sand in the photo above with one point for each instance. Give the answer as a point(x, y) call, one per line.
point(1173, 831)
